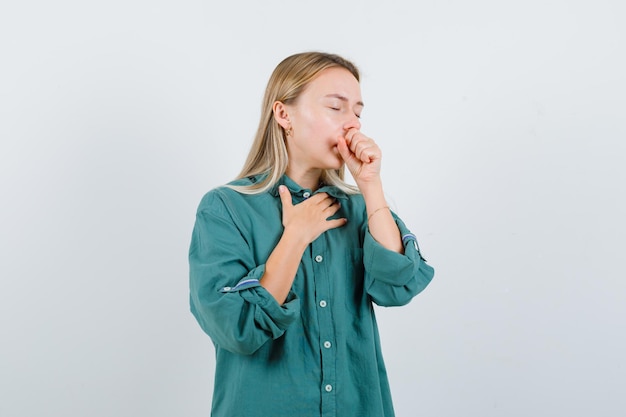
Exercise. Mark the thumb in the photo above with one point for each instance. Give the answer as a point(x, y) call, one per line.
point(285, 196)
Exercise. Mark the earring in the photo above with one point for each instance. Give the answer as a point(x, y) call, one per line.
point(289, 131)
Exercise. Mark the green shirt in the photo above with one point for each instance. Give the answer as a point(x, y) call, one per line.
point(318, 354)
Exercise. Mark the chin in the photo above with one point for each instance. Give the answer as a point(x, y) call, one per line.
point(337, 164)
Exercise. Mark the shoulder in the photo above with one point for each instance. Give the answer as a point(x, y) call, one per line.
point(226, 198)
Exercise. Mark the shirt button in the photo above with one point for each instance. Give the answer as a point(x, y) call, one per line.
point(306, 194)
point(328, 388)
point(319, 258)
point(327, 345)
point(226, 289)
point(322, 303)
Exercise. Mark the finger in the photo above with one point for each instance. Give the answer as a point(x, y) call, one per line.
point(352, 162)
point(317, 198)
point(344, 151)
point(332, 205)
point(366, 149)
point(366, 153)
point(357, 144)
point(285, 196)
point(357, 147)
point(332, 224)
point(350, 136)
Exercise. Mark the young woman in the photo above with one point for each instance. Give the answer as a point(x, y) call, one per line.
point(286, 261)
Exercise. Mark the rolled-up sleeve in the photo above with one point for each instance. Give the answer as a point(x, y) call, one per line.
point(225, 295)
point(391, 278)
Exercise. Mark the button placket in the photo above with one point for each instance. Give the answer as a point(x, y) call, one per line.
point(325, 319)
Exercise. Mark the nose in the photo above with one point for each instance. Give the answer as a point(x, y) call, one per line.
point(353, 123)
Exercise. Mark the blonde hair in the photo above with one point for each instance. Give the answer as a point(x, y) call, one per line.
point(268, 154)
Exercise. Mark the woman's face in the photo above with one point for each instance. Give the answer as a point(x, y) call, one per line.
point(328, 107)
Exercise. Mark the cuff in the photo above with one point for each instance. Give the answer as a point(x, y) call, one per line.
point(270, 315)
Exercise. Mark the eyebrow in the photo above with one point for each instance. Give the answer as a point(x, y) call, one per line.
point(343, 98)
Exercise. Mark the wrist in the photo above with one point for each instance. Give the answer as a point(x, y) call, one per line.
point(372, 187)
point(294, 239)
point(373, 212)
point(374, 197)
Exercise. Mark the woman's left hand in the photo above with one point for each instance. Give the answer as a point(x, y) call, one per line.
point(361, 155)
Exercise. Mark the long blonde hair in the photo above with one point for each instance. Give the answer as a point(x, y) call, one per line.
point(268, 154)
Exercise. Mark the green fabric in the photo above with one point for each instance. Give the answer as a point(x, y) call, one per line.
point(319, 353)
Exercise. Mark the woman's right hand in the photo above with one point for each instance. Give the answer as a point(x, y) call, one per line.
point(309, 219)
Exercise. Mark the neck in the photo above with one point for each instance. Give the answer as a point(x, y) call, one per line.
point(306, 179)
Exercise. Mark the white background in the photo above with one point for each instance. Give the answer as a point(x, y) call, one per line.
point(503, 131)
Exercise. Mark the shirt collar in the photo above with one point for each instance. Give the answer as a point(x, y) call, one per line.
point(297, 190)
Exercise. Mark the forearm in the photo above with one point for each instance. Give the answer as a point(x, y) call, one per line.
point(381, 223)
point(282, 265)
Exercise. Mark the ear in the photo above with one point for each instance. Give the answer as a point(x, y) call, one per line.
point(281, 114)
